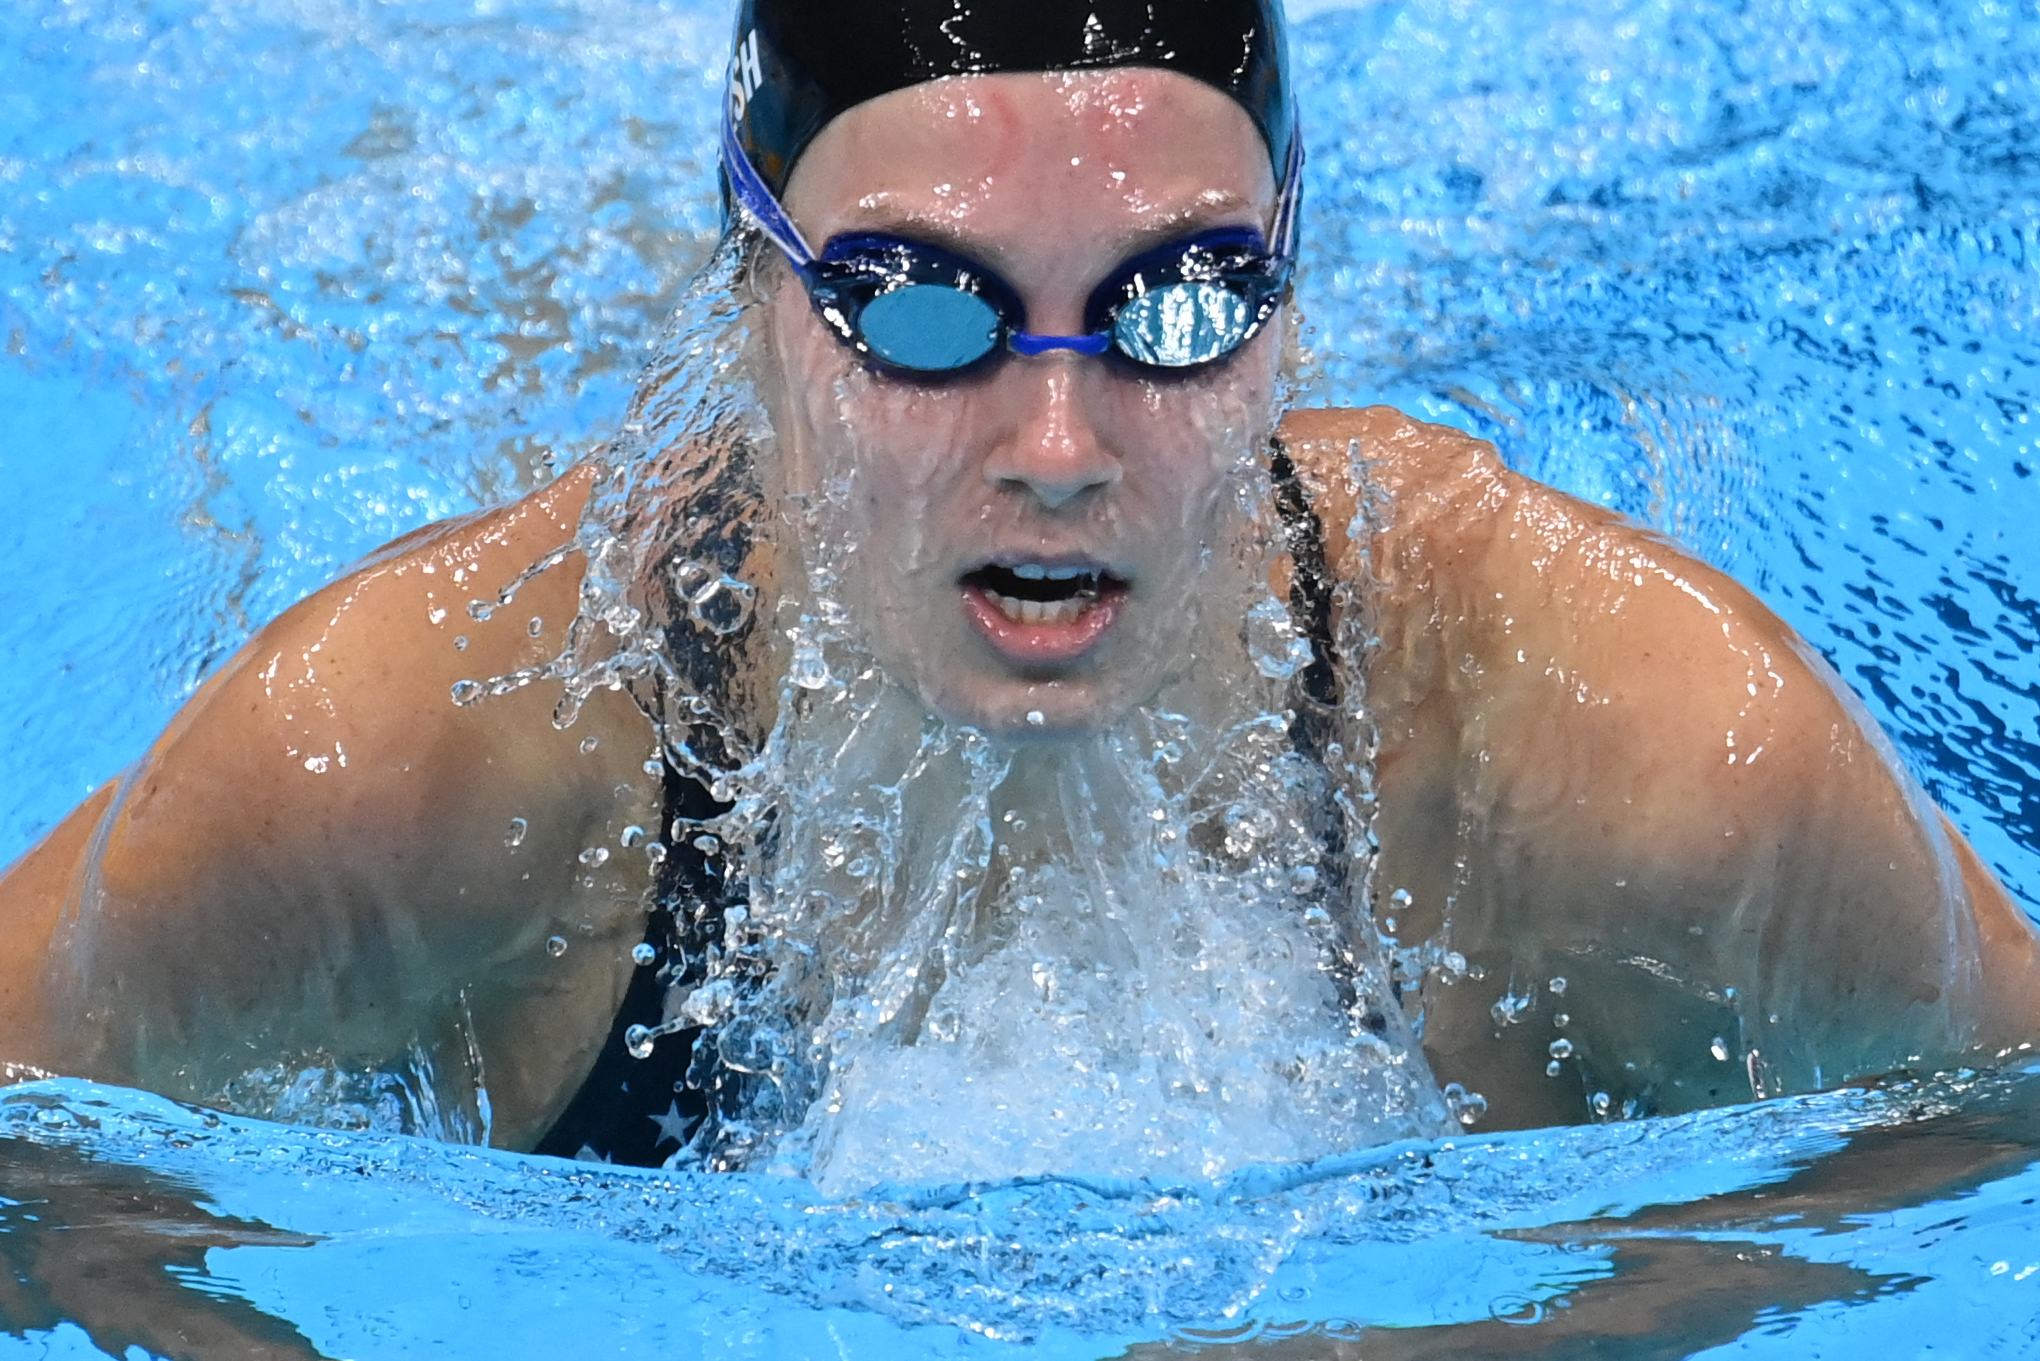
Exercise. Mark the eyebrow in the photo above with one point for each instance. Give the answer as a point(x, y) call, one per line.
point(936, 231)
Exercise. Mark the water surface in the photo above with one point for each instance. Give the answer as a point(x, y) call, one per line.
point(282, 280)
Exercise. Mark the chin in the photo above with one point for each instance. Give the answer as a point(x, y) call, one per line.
point(1031, 711)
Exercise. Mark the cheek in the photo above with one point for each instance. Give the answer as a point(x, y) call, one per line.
point(882, 463)
point(1181, 440)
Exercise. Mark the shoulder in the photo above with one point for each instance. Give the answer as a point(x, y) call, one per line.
point(372, 801)
point(1493, 585)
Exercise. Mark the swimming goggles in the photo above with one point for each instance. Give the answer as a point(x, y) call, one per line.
point(914, 309)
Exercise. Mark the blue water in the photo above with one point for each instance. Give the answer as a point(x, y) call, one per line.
point(279, 281)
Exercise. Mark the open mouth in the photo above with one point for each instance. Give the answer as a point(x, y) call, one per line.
point(1034, 594)
point(1040, 613)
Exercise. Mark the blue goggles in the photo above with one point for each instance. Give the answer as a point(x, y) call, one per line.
point(914, 309)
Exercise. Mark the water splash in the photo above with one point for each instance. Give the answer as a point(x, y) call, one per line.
point(909, 948)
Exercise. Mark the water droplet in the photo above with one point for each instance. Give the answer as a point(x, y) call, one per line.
point(537, 626)
point(594, 855)
point(808, 669)
point(1601, 1102)
point(555, 946)
point(1466, 1107)
point(1036, 718)
point(643, 953)
point(467, 691)
point(1561, 1049)
point(722, 605)
point(588, 745)
point(637, 1041)
point(1557, 986)
point(632, 835)
point(707, 843)
point(480, 609)
point(1401, 898)
point(1553, 1068)
point(515, 836)
point(1273, 644)
point(655, 851)
point(656, 769)
point(860, 868)
point(1561, 1021)
point(1719, 1048)
point(460, 643)
point(1303, 879)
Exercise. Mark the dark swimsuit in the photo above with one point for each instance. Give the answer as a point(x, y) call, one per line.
point(638, 1111)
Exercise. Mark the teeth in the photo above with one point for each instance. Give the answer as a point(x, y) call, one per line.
point(1034, 571)
point(1040, 611)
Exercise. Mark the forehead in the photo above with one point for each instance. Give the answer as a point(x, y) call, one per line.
point(1132, 143)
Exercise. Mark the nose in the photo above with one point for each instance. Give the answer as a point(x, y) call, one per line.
point(1054, 450)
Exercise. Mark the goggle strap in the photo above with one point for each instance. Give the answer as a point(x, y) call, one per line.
point(1283, 232)
point(756, 198)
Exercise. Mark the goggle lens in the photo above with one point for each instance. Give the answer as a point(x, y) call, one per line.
point(929, 328)
point(1182, 325)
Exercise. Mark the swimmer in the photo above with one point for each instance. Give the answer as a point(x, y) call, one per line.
point(1018, 304)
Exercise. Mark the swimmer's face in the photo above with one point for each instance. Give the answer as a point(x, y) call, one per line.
point(1031, 541)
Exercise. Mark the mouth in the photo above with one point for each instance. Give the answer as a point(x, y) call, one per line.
point(1043, 614)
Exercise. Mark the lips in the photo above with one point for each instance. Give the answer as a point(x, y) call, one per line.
point(1043, 614)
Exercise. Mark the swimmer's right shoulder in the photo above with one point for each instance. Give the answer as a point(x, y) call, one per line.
point(349, 837)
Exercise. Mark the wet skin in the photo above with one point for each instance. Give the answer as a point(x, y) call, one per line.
point(1558, 695)
point(1055, 464)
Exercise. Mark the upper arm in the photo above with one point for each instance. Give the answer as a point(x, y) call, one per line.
point(1602, 760)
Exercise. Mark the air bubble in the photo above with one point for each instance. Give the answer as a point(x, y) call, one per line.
point(588, 745)
point(637, 1041)
point(1561, 1021)
point(594, 855)
point(515, 836)
point(643, 953)
point(480, 610)
point(656, 769)
point(460, 643)
point(1719, 1048)
point(536, 626)
point(1303, 879)
point(655, 851)
point(466, 691)
point(555, 946)
point(1553, 1068)
point(1601, 1102)
point(1561, 1049)
point(632, 835)
point(707, 843)
point(1036, 718)
point(1557, 986)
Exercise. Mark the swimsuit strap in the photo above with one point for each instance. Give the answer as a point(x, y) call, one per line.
point(1310, 582)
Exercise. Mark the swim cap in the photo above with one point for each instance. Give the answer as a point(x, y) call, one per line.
point(799, 63)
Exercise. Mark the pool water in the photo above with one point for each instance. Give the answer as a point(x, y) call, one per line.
point(279, 281)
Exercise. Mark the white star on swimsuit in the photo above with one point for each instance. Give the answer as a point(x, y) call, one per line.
point(672, 1125)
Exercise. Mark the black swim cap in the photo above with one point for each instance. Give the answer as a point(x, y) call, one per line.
point(799, 63)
